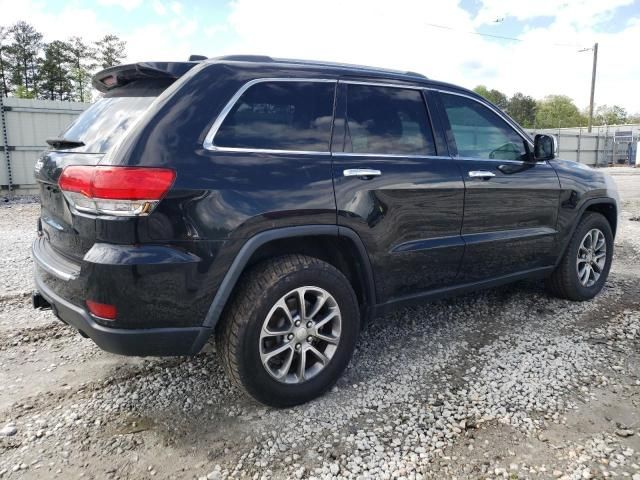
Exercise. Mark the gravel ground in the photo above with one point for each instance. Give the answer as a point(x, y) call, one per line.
point(507, 383)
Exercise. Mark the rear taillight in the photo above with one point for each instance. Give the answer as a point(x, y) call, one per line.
point(123, 191)
point(105, 311)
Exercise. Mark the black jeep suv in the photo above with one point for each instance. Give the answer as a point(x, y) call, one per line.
point(280, 204)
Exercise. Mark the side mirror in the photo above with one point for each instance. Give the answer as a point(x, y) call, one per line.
point(545, 147)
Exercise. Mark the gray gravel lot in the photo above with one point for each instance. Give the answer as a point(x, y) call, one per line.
point(506, 383)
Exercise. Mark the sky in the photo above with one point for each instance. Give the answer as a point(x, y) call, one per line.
point(447, 40)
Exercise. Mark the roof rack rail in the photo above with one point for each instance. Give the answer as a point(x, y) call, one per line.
point(295, 61)
point(246, 58)
point(197, 58)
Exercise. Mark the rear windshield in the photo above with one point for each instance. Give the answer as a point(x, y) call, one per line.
point(101, 125)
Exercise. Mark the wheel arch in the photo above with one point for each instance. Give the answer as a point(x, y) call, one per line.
point(320, 241)
point(605, 206)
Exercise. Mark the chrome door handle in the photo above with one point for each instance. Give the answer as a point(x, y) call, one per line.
point(481, 174)
point(361, 172)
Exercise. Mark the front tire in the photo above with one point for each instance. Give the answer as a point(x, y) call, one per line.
point(290, 330)
point(583, 270)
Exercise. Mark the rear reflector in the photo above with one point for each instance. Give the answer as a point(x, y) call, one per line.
point(102, 310)
point(109, 190)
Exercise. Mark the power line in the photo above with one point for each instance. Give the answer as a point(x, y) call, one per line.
point(501, 37)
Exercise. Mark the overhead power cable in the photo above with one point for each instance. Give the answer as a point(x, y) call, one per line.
point(501, 37)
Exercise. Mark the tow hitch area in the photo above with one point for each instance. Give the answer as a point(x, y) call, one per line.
point(39, 301)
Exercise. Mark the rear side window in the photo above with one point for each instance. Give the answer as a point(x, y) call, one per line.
point(101, 125)
point(387, 120)
point(480, 133)
point(280, 116)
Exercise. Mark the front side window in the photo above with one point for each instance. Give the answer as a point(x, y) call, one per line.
point(480, 133)
point(387, 120)
point(280, 116)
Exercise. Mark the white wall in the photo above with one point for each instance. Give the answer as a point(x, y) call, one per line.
point(29, 123)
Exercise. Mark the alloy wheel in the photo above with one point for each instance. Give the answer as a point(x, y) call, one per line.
point(300, 334)
point(592, 257)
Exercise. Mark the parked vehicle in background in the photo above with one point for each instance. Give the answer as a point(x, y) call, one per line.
point(280, 204)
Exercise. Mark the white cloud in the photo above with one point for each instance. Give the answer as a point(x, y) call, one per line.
point(176, 8)
point(70, 21)
point(159, 8)
point(397, 35)
point(126, 4)
point(582, 13)
point(385, 34)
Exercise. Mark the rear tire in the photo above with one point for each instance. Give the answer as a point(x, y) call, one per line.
point(581, 274)
point(265, 316)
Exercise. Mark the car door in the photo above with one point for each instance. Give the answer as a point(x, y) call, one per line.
point(395, 189)
point(511, 202)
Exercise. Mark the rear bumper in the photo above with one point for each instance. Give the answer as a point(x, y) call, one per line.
point(137, 342)
point(147, 284)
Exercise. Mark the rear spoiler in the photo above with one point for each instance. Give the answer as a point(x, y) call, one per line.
point(120, 75)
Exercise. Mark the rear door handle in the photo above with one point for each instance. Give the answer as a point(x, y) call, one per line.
point(364, 173)
point(484, 174)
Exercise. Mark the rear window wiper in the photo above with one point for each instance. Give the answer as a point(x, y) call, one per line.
point(64, 143)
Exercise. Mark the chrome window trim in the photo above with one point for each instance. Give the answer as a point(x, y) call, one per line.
point(475, 159)
point(509, 122)
point(209, 144)
point(388, 155)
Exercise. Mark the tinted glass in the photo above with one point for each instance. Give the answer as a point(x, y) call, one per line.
point(101, 125)
point(387, 120)
point(280, 116)
point(480, 133)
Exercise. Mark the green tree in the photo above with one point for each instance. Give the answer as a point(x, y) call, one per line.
point(23, 54)
point(522, 109)
point(82, 64)
point(5, 66)
point(496, 97)
point(557, 111)
point(110, 51)
point(610, 115)
point(55, 76)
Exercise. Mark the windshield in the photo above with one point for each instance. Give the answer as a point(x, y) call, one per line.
point(105, 122)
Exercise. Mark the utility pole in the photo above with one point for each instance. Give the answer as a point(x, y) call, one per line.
point(593, 83)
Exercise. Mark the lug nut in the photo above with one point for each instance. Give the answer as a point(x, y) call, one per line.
point(298, 346)
point(309, 339)
point(290, 336)
point(297, 324)
point(309, 324)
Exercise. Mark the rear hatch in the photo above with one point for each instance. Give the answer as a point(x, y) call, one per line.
point(128, 92)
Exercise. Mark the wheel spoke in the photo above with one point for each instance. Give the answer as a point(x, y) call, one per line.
point(584, 275)
point(302, 308)
point(318, 354)
point(326, 319)
point(284, 369)
point(327, 338)
point(302, 365)
point(267, 331)
point(320, 301)
point(597, 267)
point(276, 351)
